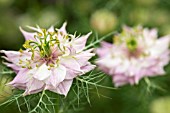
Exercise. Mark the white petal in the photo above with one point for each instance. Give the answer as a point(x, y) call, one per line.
point(58, 75)
point(51, 29)
point(160, 46)
point(63, 29)
point(42, 72)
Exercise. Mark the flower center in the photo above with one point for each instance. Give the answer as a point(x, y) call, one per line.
point(47, 47)
point(131, 44)
point(45, 40)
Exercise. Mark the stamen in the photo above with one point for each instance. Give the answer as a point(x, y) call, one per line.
point(27, 44)
point(20, 61)
point(44, 31)
point(51, 65)
point(23, 66)
point(40, 34)
point(37, 65)
point(20, 50)
point(44, 46)
point(51, 33)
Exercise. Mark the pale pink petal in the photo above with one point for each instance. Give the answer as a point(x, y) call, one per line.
point(37, 28)
point(13, 66)
point(165, 58)
point(105, 69)
point(63, 88)
point(154, 71)
point(15, 57)
point(88, 67)
point(34, 86)
point(105, 49)
point(120, 83)
point(70, 63)
point(120, 80)
point(72, 51)
point(57, 76)
point(106, 44)
point(70, 74)
point(84, 56)
point(21, 79)
point(79, 43)
point(27, 35)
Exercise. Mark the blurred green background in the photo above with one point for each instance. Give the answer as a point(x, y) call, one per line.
point(102, 17)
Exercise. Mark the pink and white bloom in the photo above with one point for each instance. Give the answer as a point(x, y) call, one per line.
point(136, 53)
point(50, 61)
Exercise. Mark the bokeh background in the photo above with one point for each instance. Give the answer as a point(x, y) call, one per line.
point(101, 17)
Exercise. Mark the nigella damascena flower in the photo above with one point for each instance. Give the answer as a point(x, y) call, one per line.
point(50, 61)
point(136, 53)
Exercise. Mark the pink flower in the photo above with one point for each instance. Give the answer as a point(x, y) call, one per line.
point(136, 53)
point(51, 61)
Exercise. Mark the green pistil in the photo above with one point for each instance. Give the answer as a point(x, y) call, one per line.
point(45, 50)
point(43, 46)
point(131, 44)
